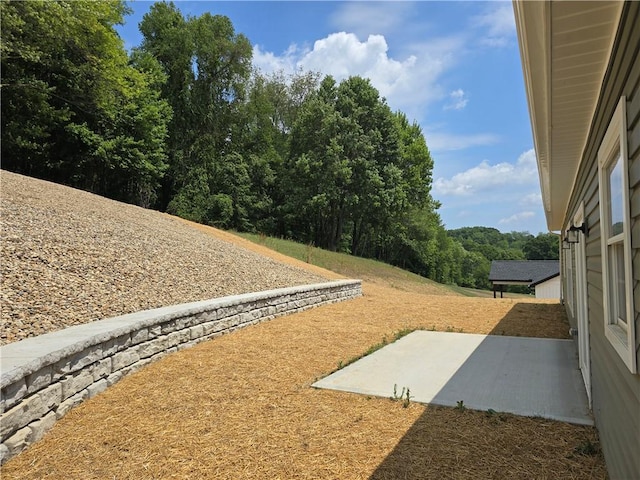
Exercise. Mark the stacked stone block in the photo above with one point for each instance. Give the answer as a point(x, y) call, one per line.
point(44, 377)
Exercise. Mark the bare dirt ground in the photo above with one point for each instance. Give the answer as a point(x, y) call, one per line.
point(241, 406)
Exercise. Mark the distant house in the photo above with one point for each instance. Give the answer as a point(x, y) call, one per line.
point(581, 63)
point(543, 275)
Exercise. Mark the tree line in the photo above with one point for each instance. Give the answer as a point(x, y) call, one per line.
point(183, 123)
point(484, 244)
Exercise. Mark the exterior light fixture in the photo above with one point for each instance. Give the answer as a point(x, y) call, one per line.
point(572, 233)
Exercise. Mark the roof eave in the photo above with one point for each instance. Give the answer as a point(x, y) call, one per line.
point(532, 25)
point(557, 41)
point(545, 279)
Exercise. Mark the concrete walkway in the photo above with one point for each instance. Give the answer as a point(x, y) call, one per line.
point(524, 376)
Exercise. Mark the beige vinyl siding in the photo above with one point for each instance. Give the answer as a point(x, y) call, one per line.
point(615, 391)
point(633, 125)
point(569, 285)
point(549, 289)
point(633, 135)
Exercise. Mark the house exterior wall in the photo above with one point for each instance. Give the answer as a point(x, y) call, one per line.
point(567, 284)
point(549, 289)
point(615, 390)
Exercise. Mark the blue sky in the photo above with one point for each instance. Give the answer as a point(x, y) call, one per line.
point(454, 67)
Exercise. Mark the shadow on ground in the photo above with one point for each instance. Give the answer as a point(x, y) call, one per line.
point(449, 443)
point(459, 443)
point(541, 320)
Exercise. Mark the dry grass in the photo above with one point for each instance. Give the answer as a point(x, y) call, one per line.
point(241, 406)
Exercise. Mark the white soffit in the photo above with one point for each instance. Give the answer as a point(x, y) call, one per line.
point(565, 48)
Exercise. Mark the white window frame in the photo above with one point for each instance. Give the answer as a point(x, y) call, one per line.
point(614, 148)
point(569, 270)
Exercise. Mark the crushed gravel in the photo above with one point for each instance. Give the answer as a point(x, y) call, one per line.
point(70, 257)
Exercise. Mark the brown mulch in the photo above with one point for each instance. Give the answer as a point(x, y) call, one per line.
point(242, 406)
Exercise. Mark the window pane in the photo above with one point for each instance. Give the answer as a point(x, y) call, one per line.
point(618, 291)
point(615, 189)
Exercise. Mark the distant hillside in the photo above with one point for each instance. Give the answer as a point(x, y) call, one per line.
point(484, 244)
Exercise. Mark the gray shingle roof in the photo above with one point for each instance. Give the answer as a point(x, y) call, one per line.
point(531, 271)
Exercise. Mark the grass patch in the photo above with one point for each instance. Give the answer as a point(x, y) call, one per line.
point(465, 292)
point(404, 396)
point(349, 265)
point(587, 448)
point(475, 292)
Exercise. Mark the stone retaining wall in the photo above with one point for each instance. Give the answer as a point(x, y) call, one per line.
point(43, 377)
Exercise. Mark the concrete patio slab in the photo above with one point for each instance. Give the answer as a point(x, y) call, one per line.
point(524, 376)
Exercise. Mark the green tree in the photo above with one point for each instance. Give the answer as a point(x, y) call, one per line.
point(419, 246)
point(267, 117)
point(207, 65)
point(319, 181)
point(545, 246)
point(358, 179)
point(404, 233)
point(168, 39)
point(484, 244)
point(369, 141)
point(415, 162)
point(74, 109)
point(345, 182)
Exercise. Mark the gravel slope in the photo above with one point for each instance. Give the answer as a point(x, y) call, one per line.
point(70, 257)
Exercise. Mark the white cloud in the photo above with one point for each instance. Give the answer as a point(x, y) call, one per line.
point(517, 217)
point(409, 83)
point(365, 18)
point(499, 25)
point(342, 55)
point(268, 62)
point(458, 100)
point(442, 142)
point(486, 176)
point(533, 199)
point(412, 81)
